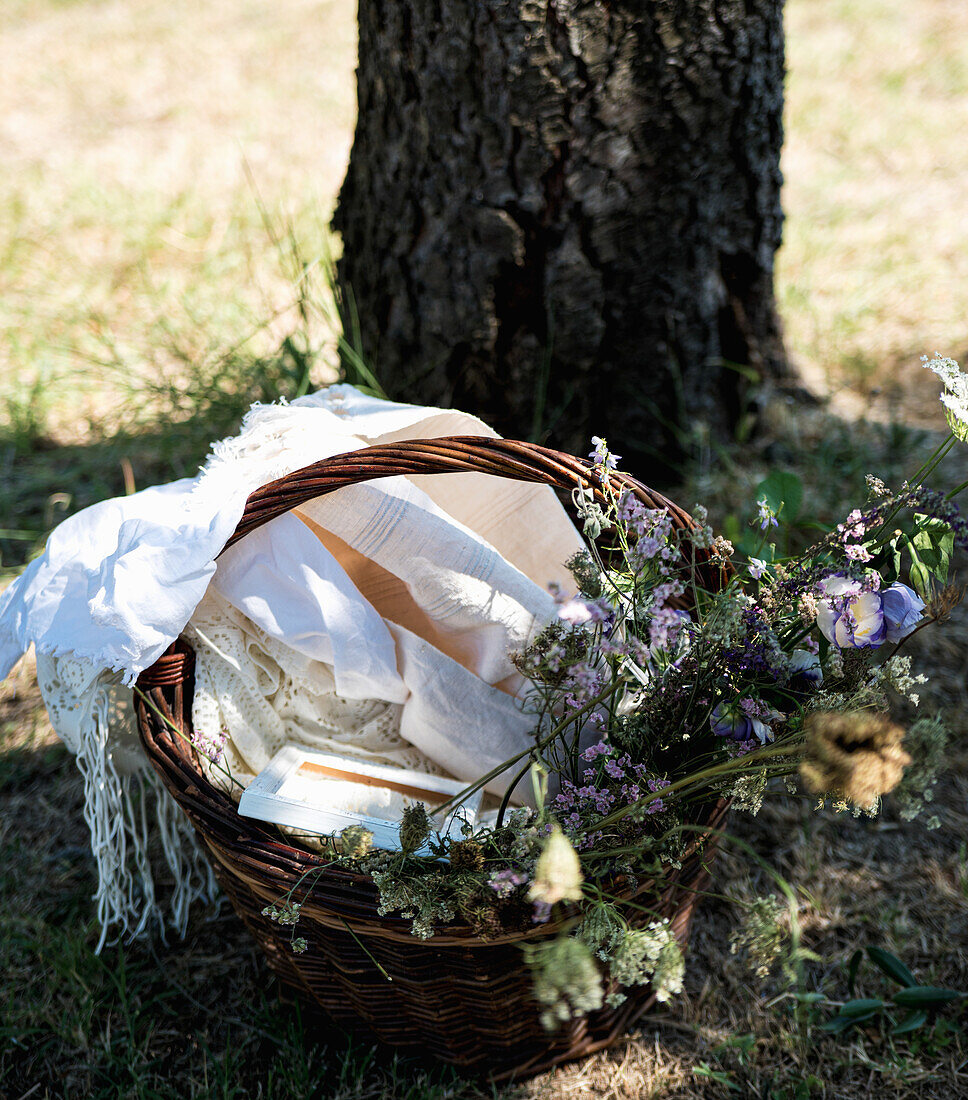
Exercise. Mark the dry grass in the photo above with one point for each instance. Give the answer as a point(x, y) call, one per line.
point(127, 218)
point(874, 269)
point(131, 245)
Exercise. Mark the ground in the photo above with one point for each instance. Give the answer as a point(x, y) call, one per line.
point(144, 149)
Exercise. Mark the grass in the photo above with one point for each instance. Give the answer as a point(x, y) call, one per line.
point(874, 269)
point(143, 306)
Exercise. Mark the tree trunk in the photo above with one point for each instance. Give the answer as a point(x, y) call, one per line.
point(562, 215)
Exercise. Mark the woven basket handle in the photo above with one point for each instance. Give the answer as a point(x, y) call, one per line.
point(508, 458)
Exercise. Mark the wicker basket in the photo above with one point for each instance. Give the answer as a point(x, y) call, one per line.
point(463, 999)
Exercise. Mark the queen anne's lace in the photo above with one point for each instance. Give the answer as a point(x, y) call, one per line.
point(955, 395)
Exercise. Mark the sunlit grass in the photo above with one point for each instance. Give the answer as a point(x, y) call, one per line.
point(140, 140)
point(874, 269)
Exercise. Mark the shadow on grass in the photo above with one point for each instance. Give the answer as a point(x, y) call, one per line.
point(195, 1018)
point(42, 482)
point(204, 1017)
point(158, 431)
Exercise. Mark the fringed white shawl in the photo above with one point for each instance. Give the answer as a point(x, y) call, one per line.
point(377, 620)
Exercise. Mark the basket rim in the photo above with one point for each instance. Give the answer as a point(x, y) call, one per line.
point(514, 459)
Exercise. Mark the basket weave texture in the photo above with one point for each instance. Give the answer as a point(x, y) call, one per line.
point(466, 1000)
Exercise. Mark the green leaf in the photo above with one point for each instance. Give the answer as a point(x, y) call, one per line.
point(743, 1043)
point(861, 1006)
point(892, 966)
point(926, 996)
point(911, 1022)
point(920, 574)
point(809, 998)
point(704, 1069)
point(895, 545)
point(837, 1024)
point(781, 488)
point(935, 543)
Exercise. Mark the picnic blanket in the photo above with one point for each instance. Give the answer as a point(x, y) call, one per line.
point(378, 621)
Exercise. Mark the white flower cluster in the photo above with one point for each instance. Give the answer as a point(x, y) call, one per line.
point(747, 793)
point(650, 955)
point(566, 980)
point(955, 395)
point(634, 956)
point(896, 673)
point(761, 936)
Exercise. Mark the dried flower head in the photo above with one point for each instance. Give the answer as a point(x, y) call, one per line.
point(942, 603)
point(414, 827)
point(807, 608)
point(721, 550)
point(285, 913)
point(876, 487)
point(928, 741)
point(566, 980)
point(762, 935)
point(466, 855)
point(355, 841)
point(557, 874)
point(856, 756)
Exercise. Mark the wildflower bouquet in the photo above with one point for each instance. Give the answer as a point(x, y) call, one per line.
point(679, 674)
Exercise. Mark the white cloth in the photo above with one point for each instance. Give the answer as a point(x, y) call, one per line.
point(378, 619)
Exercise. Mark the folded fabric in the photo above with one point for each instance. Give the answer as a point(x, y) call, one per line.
point(378, 620)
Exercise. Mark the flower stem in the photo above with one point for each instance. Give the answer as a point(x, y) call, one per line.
point(737, 764)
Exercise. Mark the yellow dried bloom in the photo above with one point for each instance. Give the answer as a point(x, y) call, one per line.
point(557, 874)
point(857, 756)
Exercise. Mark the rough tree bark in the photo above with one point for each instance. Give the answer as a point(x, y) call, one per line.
point(562, 214)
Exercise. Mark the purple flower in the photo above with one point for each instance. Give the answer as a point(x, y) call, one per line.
point(855, 527)
point(599, 749)
point(656, 806)
point(729, 720)
point(848, 615)
point(665, 627)
point(855, 618)
point(741, 748)
point(578, 611)
point(757, 568)
point(902, 610)
point(739, 721)
point(766, 515)
point(542, 912)
point(505, 882)
point(601, 454)
point(856, 552)
point(805, 667)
